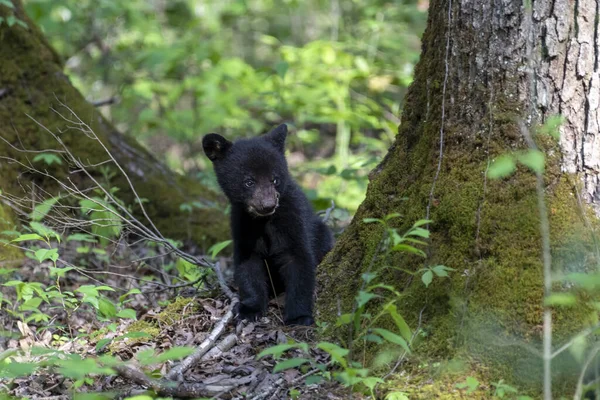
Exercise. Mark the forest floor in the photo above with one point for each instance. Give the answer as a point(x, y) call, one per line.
point(197, 319)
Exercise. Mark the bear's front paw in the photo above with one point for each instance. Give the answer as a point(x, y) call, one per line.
point(304, 320)
point(242, 312)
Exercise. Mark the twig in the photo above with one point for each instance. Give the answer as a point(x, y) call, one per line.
point(579, 390)
point(443, 116)
point(222, 283)
point(309, 373)
point(105, 102)
point(224, 345)
point(580, 335)
point(205, 346)
point(401, 358)
point(269, 390)
point(182, 389)
point(328, 211)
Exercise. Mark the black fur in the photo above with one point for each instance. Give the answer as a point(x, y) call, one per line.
point(272, 224)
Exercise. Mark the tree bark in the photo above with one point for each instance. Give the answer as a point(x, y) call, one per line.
point(33, 86)
point(486, 69)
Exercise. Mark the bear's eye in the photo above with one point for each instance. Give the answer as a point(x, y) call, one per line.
point(249, 183)
point(275, 181)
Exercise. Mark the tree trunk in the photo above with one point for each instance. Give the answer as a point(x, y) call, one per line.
point(32, 86)
point(487, 68)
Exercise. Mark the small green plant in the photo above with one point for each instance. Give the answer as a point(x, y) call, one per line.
point(407, 243)
point(470, 384)
point(11, 19)
point(374, 303)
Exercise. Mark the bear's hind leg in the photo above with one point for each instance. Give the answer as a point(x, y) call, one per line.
point(299, 280)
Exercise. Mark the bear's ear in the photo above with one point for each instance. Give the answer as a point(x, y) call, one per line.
point(215, 146)
point(277, 136)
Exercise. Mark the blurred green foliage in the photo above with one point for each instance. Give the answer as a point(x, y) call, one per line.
point(335, 70)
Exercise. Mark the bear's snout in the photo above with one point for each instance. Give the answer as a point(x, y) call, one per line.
point(264, 201)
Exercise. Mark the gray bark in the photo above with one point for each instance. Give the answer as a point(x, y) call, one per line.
point(487, 68)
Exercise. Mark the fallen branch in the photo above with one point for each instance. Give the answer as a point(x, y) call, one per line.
point(224, 345)
point(270, 390)
point(182, 390)
point(205, 346)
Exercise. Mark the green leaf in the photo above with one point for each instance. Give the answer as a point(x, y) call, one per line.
point(403, 327)
point(217, 247)
point(372, 220)
point(127, 313)
point(533, 159)
point(46, 254)
point(373, 338)
point(314, 379)
point(344, 319)
point(392, 338)
point(101, 343)
point(129, 293)
point(427, 277)
point(368, 276)
point(561, 299)
point(502, 167)
point(406, 248)
point(59, 272)
point(28, 237)
point(396, 396)
point(275, 351)
point(42, 209)
point(176, 353)
point(336, 352)
point(364, 297)
point(441, 270)
point(372, 381)
point(471, 384)
point(552, 126)
point(106, 220)
point(48, 158)
point(10, 233)
point(578, 348)
point(15, 369)
point(424, 233)
point(392, 216)
point(21, 23)
point(44, 230)
point(422, 222)
point(7, 3)
point(106, 307)
point(82, 237)
point(79, 368)
point(281, 68)
point(31, 305)
point(136, 335)
point(291, 363)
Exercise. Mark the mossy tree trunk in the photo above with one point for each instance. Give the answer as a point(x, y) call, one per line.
point(486, 68)
point(32, 86)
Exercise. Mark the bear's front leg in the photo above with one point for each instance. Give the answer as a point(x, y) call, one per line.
point(251, 281)
point(299, 280)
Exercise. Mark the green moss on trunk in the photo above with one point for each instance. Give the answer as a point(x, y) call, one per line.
point(33, 86)
point(487, 230)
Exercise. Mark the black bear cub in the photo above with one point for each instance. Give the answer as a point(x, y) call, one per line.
point(278, 240)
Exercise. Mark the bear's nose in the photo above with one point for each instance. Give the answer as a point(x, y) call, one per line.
point(268, 208)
